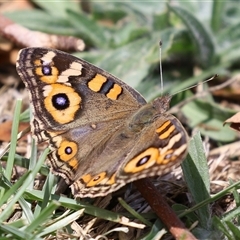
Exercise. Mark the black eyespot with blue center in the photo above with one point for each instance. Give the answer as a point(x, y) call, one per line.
point(47, 70)
point(60, 101)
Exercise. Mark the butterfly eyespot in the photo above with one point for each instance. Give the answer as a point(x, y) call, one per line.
point(142, 161)
point(68, 150)
point(168, 156)
point(47, 70)
point(60, 101)
point(96, 178)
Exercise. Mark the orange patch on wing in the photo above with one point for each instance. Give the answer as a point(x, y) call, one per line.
point(163, 126)
point(112, 180)
point(114, 92)
point(37, 62)
point(96, 83)
point(86, 178)
point(167, 133)
point(73, 163)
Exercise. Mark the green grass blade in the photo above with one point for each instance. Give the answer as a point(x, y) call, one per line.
point(13, 145)
point(88, 28)
point(33, 160)
point(234, 229)
point(58, 9)
point(217, 15)
point(16, 233)
point(11, 189)
point(201, 37)
point(195, 170)
point(76, 205)
point(134, 213)
point(222, 227)
point(47, 190)
point(66, 220)
point(37, 223)
point(8, 210)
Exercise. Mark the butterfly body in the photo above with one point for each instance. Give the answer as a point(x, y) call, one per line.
point(102, 133)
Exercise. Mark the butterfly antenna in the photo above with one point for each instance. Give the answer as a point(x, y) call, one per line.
point(160, 67)
point(210, 79)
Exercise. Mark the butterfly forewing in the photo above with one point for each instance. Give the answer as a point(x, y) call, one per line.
point(72, 92)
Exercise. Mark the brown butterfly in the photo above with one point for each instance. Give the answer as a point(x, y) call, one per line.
point(101, 132)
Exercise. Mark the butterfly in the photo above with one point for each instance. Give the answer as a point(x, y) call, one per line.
point(102, 133)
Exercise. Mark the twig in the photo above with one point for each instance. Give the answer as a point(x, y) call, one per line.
point(28, 38)
point(161, 208)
